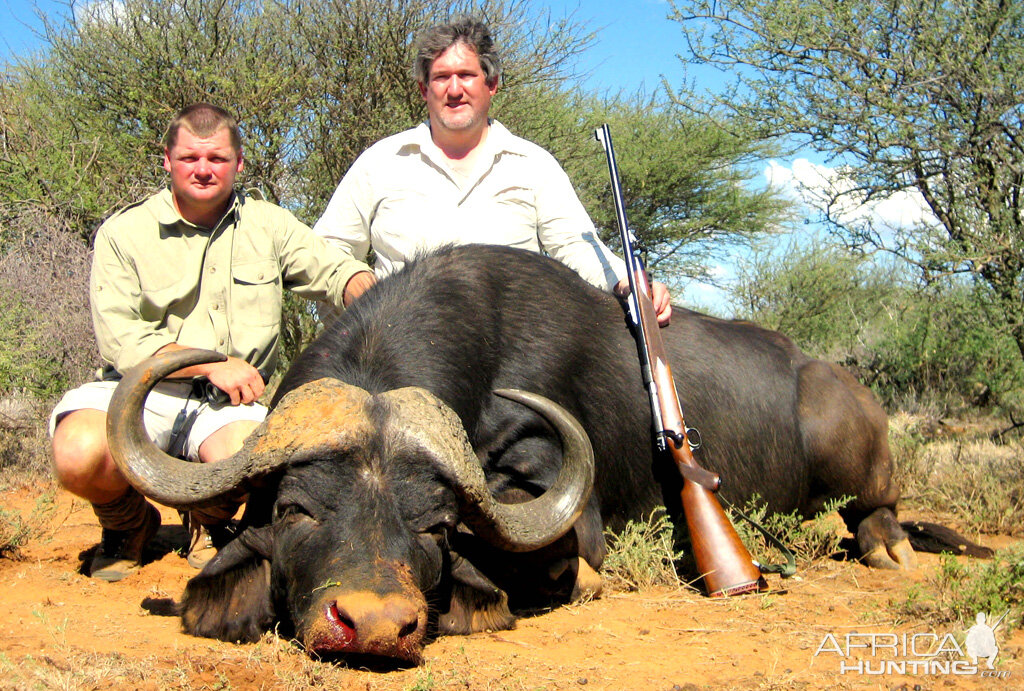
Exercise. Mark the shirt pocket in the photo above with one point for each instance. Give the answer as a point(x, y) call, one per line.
point(167, 297)
point(512, 220)
point(256, 293)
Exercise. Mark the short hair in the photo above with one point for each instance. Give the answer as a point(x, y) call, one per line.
point(203, 120)
point(466, 30)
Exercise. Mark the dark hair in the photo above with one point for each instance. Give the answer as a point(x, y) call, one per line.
point(467, 30)
point(203, 120)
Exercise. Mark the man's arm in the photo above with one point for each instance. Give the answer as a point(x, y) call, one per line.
point(567, 233)
point(345, 222)
point(316, 269)
point(125, 338)
point(115, 297)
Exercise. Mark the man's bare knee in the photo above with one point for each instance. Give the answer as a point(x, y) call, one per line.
point(226, 441)
point(81, 458)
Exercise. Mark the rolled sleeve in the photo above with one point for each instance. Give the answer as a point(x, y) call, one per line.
point(312, 267)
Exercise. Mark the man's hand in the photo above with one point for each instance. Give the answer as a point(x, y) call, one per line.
point(242, 382)
point(357, 285)
point(238, 379)
point(659, 296)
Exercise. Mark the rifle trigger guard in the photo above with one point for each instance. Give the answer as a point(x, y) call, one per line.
point(692, 434)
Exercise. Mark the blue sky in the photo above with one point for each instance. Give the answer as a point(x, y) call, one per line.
point(636, 44)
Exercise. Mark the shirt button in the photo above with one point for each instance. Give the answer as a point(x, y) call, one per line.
point(260, 277)
point(213, 269)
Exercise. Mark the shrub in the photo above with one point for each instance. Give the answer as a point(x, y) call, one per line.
point(643, 553)
point(810, 540)
point(963, 588)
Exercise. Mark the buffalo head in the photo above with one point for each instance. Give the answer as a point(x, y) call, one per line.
point(354, 500)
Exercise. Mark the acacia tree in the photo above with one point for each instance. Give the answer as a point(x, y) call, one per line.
point(687, 184)
point(922, 96)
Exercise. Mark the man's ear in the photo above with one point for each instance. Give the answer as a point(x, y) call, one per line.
point(423, 89)
point(241, 161)
point(167, 160)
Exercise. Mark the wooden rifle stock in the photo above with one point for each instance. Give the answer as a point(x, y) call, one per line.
point(721, 558)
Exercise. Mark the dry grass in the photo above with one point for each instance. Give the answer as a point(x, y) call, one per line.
point(957, 469)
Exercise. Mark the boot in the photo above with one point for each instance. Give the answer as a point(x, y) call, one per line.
point(209, 529)
point(204, 541)
point(128, 523)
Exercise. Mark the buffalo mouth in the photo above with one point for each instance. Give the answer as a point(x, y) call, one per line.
point(364, 627)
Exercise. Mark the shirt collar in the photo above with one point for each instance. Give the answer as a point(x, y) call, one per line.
point(499, 141)
point(168, 216)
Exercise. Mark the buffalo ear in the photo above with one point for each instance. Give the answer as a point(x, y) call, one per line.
point(230, 598)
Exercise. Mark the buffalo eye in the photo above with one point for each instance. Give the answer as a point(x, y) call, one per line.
point(290, 511)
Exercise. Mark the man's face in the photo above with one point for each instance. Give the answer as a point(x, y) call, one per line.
point(457, 93)
point(203, 171)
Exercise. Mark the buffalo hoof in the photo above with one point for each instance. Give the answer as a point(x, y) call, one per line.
point(899, 555)
point(366, 624)
point(883, 543)
point(589, 583)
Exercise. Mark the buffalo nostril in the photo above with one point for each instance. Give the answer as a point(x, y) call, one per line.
point(345, 623)
point(409, 629)
point(405, 617)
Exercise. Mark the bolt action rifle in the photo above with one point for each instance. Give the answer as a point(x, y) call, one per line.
point(721, 557)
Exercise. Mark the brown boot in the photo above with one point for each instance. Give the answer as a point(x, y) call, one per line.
point(209, 529)
point(204, 542)
point(129, 523)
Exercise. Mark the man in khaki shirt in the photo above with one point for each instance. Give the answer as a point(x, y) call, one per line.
point(196, 265)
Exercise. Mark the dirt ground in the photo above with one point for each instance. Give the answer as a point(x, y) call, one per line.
point(60, 629)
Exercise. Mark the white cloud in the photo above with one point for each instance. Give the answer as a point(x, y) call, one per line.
point(815, 184)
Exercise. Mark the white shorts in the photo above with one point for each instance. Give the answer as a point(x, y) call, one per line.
point(161, 408)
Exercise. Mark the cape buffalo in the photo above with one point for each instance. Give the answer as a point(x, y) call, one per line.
point(392, 493)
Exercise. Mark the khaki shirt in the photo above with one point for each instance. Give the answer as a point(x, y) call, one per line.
point(158, 279)
point(403, 198)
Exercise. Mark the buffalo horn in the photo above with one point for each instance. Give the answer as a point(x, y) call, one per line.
point(519, 527)
point(313, 420)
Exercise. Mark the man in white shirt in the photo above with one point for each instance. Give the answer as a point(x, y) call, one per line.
point(462, 178)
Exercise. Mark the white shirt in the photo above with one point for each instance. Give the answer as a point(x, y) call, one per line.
point(402, 197)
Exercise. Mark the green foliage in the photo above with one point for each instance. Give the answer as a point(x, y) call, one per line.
point(920, 98)
point(963, 588)
point(23, 361)
point(942, 343)
point(315, 82)
point(809, 540)
point(822, 296)
point(646, 552)
point(906, 341)
point(642, 554)
point(687, 185)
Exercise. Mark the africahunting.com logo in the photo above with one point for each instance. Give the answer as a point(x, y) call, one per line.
point(917, 653)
